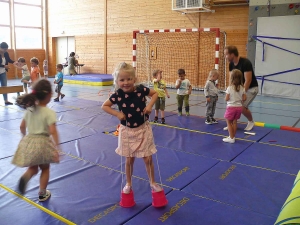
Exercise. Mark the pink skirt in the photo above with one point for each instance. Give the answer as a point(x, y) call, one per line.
point(136, 142)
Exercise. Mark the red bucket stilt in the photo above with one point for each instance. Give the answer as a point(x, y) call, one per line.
point(159, 199)
point(127, 200)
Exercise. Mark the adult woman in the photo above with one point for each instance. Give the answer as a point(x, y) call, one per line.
point(72, 63)
point(4, 60)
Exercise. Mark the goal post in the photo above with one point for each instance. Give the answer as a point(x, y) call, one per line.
point(197, 50)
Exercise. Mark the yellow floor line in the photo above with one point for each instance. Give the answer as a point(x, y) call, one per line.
point(197, 131)
point(283, 146)
point(263, 168)
point(108, 168)
point(53, 214)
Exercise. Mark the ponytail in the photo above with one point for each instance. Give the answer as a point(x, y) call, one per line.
point(27, 100)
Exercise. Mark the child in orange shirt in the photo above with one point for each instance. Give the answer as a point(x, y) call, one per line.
point(35, 70)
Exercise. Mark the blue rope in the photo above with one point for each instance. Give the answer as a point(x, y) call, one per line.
point(263, 58)
point(279, 38)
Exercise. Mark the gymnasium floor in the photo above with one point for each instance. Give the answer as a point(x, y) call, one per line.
point(206, 181)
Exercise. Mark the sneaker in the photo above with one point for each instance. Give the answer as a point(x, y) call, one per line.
point(155, 120)
point(163, 121)
point(187, 114)
point(249, 126)
point(213, 120)
point(126, 189)
point(8, 103)
point(225, 128)
point(22, 185)
point(56, 100)
point(208, 121)
point(155, 187)
point(62, 96)
point(179, 113)
point(44, 197)
point(229, 140)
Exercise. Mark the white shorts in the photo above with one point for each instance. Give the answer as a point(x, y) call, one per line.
point(251, 94)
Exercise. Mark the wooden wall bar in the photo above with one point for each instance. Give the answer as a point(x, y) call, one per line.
point(86, 22)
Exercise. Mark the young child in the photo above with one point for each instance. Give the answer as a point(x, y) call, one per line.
point(45, 68)
point(59, 81)
point(21, 65)
point(160, 87)
point(211, 94)
point(135, 133)
point(184, 90)
point(37, 149)
point(235, 95)
point(35, 70)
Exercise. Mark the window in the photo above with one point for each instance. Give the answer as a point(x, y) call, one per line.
point(5, 15)
point(28, 38)
point(5, 35)
point(31, 2)
point(29, 16)
point(28, 24)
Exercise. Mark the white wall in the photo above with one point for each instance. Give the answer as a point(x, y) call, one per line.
point(277, 60)
point(64, 46)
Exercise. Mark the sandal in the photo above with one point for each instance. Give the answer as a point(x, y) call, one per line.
point(126, 189)
point(156, 188)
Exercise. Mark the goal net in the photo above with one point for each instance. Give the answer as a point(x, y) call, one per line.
point(196, 50)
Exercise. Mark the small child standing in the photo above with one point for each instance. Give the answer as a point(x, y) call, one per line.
point(35, 70)
point(37, 149)
point(135, 137)
point(45, 68)
point(59, 81)
point(159, 86)
point(211, 94)
point(21, 65)
point(235, 95)
point(184, 89)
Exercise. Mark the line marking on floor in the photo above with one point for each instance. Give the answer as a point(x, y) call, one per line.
point(278, 145)
point(112, 169)
point(197, 131)
point(264, 168)
point(51, 213)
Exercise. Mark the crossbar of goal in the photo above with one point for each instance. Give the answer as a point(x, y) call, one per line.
point(197, 50)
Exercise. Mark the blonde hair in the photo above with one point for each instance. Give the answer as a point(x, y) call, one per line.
point(155, 72)
point(124, 67)
point(212, 72)
point(236, 79)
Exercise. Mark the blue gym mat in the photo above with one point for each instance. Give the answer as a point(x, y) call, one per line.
point(184, 209)
point(93, 192)
point(177, 169)
point(71, 103)
point(9, 142)
point(283, 137)
point(198, 123)
point(91, 77)
point(258, 190)
point(69, 132)
point(100, 123)
point(271, 157)
point(13, 210)
point(201, 144)
point(10, 113)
